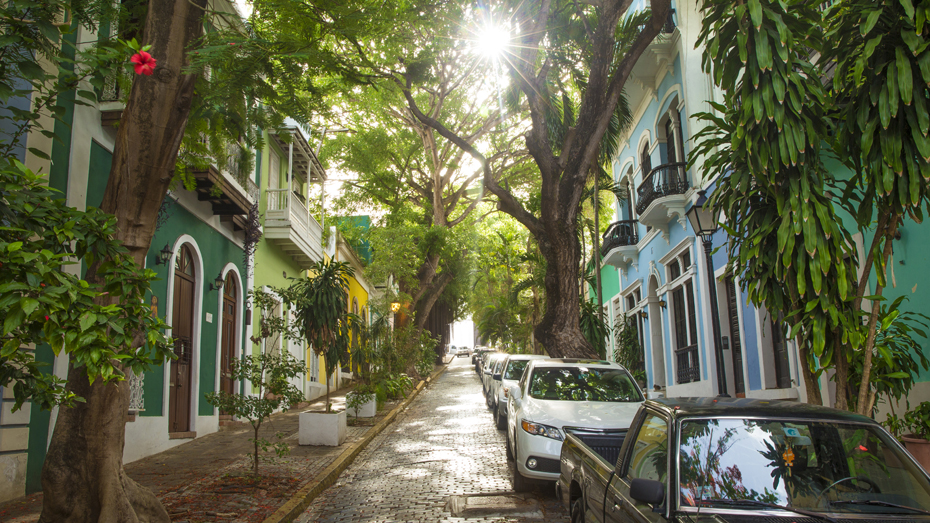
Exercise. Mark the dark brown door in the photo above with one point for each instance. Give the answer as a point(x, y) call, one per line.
point(780, 348)
point(182, 329)
point(227, 350)
point(736, 346)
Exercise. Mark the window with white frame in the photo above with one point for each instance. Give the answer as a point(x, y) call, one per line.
point(631, 309)
point(683, 317)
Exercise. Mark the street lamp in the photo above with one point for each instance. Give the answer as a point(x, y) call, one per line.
point(704, 225)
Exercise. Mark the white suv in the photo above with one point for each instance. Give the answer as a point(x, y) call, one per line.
point(510, 374)
point(593, 399)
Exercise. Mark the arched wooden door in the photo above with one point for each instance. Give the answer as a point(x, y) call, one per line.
point(228, 342)
point(182, 330)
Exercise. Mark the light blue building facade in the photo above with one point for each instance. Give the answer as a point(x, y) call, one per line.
point(654, 269)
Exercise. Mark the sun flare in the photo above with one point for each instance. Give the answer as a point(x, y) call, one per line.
point(492, 41)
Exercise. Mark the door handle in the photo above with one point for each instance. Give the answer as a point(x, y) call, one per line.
point(615, 508)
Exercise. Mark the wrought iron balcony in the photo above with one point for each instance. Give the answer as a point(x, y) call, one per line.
point(689, 369)
point(619, 234)
point(669, 27)
point(665, 180)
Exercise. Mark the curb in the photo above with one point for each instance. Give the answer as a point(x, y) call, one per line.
point(302, 499)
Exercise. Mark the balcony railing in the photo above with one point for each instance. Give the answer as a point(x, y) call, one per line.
point(619, 234)
point(664, 180)
point(669, 27)
point(688, 367)
point(282, 204)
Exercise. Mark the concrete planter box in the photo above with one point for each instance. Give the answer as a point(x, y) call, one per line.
point(367, 410)
point(321, 428)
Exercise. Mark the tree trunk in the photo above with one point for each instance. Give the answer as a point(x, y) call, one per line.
point(429, 299)
point(83, 478)
point(810, 382)
point(255, 455)
point(863, 405)
point(559, 331)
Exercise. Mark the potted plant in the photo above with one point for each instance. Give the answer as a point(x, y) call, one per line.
point(324, 322)
point(917, 442)
point(361, 402)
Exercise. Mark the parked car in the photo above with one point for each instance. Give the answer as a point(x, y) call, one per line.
point(476, 356)
point(512, 371)
point(494, 379)
point(559, 396)
point(464, 351)
point(487, 369)
point(477, 353)
point(688, 460)
point(453, 351)
point(482, 362)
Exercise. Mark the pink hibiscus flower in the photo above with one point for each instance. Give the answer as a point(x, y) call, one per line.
point(145, 64)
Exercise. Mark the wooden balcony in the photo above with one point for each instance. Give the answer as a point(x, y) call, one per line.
point(289, 224)
point(231, 196)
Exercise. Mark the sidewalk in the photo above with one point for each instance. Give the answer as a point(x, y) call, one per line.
point(209, 478)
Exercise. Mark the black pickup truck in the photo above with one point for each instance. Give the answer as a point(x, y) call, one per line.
point(732, 460)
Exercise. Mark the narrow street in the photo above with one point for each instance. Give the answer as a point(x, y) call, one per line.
point(442, 460)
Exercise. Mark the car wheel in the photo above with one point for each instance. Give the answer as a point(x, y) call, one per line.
point(507, 448)
point(578, 511)
point(501, 421)
point(520, 483)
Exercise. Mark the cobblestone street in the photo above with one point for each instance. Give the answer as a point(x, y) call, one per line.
point(444, 445)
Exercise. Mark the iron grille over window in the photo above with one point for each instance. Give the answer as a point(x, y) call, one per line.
point(136, 383)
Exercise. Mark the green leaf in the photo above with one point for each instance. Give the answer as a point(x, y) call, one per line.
point(755, 12)
point(905, 78)
point(870, 46)
point(31, 70)
point(870, 22)
point(908, 8)
point(87, 319)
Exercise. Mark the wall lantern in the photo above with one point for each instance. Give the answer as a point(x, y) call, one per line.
point(642, 313)
point(395, 306)
point(163, 256)
point(217, 283)
point(662, 303)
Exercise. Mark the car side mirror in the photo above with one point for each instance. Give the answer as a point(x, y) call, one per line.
point(647, 491)
point(497, 377)
point(515, 393)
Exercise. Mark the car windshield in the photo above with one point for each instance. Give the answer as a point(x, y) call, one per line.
point(515, 369)
point(813, 465)
point(583, 384)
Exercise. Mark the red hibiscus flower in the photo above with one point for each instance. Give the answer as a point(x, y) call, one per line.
point(145, 64)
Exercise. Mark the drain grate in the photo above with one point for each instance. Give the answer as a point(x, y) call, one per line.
point(494, 505)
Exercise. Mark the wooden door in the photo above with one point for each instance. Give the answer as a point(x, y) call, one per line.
point(182, 329)
point(736, 346)
point(228, 342)
point(780, 348)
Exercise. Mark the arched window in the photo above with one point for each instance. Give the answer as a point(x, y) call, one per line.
point(645, 160)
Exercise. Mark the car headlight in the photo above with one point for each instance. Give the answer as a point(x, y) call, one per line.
point(538, 429)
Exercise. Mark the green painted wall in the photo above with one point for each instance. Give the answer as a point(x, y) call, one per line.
point(217, 251)
point(272, 263)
